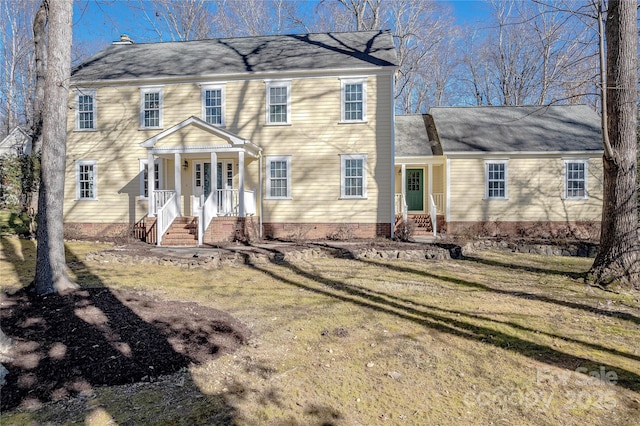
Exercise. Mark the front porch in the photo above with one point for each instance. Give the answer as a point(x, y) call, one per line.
point(420, 194)
point(195, 183)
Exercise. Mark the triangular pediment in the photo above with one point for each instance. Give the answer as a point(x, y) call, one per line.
point(191, 133)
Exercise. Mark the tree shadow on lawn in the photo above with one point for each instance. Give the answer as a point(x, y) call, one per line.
point(344, 253)
point(68, 344)
point(384, 303)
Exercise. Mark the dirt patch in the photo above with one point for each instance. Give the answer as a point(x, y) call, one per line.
point(66, 345)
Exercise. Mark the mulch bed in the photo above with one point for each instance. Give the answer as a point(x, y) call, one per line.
point(68, 344)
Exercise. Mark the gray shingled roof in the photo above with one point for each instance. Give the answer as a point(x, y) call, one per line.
point(411, 138)
point(558, 128)
point(368, 49)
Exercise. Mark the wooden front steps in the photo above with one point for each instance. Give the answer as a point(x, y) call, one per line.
point(182, 232)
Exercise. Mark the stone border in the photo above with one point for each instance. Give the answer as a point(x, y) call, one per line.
point(279, 254)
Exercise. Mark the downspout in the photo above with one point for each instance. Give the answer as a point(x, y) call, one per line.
point(260, 193)
point(393, 154)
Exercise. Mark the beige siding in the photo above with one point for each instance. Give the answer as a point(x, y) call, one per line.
point(314, 140)
point(535, 192)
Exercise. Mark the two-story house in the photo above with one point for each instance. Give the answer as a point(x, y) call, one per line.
point(204, 141)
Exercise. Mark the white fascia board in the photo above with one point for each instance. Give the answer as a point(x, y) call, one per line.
point(259, 75)
point(419, 160)
point(484, 154)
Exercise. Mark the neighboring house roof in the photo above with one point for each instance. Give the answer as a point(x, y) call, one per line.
point(411, 137)
point(17, 141)
point(492, 129)
point(329, 51)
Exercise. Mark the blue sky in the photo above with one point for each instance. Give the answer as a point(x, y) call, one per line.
point(98, 23)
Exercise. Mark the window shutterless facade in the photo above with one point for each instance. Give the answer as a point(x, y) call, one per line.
point(353, 178)
point(278, 102)
point(86, 111)
point(495, 179)
point(278, 176)
point(86, 177)
point(213, 100)
point(575, 179)
point(151, 108)
point(353, 103)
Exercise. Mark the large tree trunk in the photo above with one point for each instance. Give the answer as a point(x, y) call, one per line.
point(33, 165)
point(51, 275)
point(618, 259)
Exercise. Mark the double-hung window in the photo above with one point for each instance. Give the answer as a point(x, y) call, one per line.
point(278, 102)
point(353, 177)
point(575, 179)
point(279, 176)
point(151, 108)
point(86, 177)
point(86, 111)
point(353, 105)
point(495, 179)
point(213, 104)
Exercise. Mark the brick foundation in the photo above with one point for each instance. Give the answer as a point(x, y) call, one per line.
point(585, 230)
point(226, 229)
point(79, 231)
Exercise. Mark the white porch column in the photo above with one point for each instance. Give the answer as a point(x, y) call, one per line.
point(151, 184)
point(403, 189)
point(214, 180)
point(241, 184)
point(430, 184)
point(177, 177)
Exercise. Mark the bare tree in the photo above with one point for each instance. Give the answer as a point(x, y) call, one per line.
point(177, 20)
point(51, 275)
point(16, 64)
point(618, 259)
point(532, 53)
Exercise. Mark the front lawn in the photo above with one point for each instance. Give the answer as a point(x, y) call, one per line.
point(496, 338)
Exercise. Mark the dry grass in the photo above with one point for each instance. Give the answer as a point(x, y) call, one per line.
point(493, 339)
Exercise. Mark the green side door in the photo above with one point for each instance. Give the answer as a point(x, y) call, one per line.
point(415, 192)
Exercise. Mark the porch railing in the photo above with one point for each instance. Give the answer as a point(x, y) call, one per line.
point(438, 198)
point(161, 197)
point(166, 213)
point(228, 202)
point(433, 213)
point(400, 206)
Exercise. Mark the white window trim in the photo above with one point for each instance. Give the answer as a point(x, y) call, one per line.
point(93, 163)
point(486, 179)
point(584, 161)
point(353, 80)
point(220, 87)
point(344, 157)
point(269, 159)
point(277, 83)
point(143, 91)
point(143, 165)
point(90, 92)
